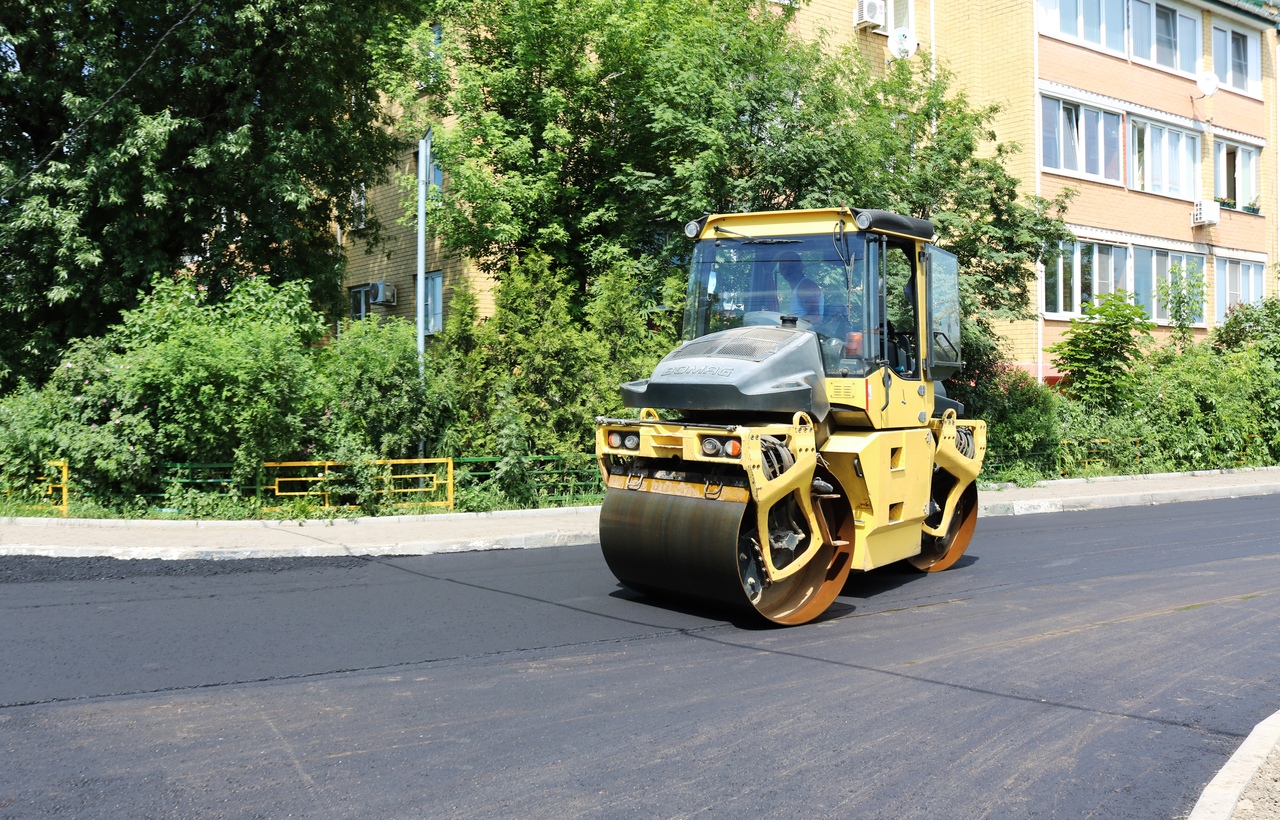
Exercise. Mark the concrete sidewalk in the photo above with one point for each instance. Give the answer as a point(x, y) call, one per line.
point(1247, 788)
point(524, 529)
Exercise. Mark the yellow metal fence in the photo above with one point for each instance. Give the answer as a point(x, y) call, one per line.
point(56, 489)
point(423, 482)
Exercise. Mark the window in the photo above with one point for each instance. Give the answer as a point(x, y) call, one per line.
point(899, 14)
point(1238, 283)
point(1082, 272)
point(1166, 36)
point(435, 180)
point(1096, 22)
point(361, 301)
point(435, 302)
point(1237, 59)
point(1150, 268)
point(359, 207)
point(1235, 174)
point(1080, 139)
point(1163, 160)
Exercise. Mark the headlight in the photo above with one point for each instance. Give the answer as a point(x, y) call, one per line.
point(615, 439)
point(631, 442)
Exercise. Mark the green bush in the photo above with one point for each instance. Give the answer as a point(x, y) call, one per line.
point(1020, 416)
point(1201, 410)
point(180, 379)
point(1098, 348)
point(1096, 441)
point(373, 394)
point(1254, 323)
point(28, 439)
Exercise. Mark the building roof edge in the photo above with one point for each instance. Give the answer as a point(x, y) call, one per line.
point(1253, 8)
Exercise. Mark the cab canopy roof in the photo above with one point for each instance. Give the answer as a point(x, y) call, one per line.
point(817, 220)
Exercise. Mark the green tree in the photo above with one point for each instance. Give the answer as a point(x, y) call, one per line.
point(145, 136)
point(1182, 296)
point(1098, 349)
point(594, 130)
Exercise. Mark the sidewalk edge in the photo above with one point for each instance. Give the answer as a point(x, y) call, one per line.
point(1219, 798)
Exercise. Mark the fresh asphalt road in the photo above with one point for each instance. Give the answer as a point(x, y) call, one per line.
point(1097, 664)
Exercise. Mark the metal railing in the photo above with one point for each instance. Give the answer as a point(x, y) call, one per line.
point(56, 488)
point(425, 481)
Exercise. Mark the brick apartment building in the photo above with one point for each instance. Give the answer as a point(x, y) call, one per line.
point(1158, 114)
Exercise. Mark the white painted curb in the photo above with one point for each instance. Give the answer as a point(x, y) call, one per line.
point(1219, 798)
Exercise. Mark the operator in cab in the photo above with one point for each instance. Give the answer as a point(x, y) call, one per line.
point(807, 299)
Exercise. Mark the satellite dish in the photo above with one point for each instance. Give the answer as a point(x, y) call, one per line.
point(903, 43)
point(1207, 82)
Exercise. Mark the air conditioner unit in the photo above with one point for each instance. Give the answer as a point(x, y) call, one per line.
point(1206, 212)
point(868, 14)
point(382, 293)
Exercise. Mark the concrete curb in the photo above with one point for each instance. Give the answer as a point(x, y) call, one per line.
point(533, 540)
point(439, 518)
point(991, 509)
point(1218, 800)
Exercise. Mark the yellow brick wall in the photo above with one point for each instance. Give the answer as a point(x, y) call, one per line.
point(395, 260)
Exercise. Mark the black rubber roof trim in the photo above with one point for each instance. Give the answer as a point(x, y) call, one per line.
point(897, 223)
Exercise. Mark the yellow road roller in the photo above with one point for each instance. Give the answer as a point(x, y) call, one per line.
point(801, 430)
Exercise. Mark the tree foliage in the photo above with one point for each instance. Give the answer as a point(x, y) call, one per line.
point(225, 144)
point(1098, 349)
point(591, 130)
point(1251, 324)
point(1182, 296)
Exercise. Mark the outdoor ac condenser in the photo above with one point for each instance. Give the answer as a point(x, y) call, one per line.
point(1206, 212)
point(868, 14)
point(382, 293)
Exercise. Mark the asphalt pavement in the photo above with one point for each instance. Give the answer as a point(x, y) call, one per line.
point(1247, 787)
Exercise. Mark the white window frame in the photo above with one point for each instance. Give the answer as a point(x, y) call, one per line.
point(1086, 137)
point(897, 14)
point(435, 302)
point(361, 301)
point(435, 182)
point(1186, 34)
point(1158, 142)
point(1241, 185)
point(1113, 32)
point(1144, 280)
point(1079, 261)
point(359, 207)
point(1238, 281)
point(1248, 81)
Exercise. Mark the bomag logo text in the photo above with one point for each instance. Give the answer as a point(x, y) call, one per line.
point(704, 370)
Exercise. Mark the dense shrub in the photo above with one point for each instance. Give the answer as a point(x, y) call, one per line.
point(373, 394)
point(1097, 350)
point(1254, 323)
point(1021, 417)
point(554, 370)
point(1199, 410)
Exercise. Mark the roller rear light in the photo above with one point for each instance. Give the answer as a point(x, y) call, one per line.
point(715, 447)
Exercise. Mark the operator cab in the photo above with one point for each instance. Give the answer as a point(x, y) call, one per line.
point(852, 277)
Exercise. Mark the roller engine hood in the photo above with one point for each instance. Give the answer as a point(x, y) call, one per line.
point(745, 369)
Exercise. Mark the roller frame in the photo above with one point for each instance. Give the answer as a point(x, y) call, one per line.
point(659, 439)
